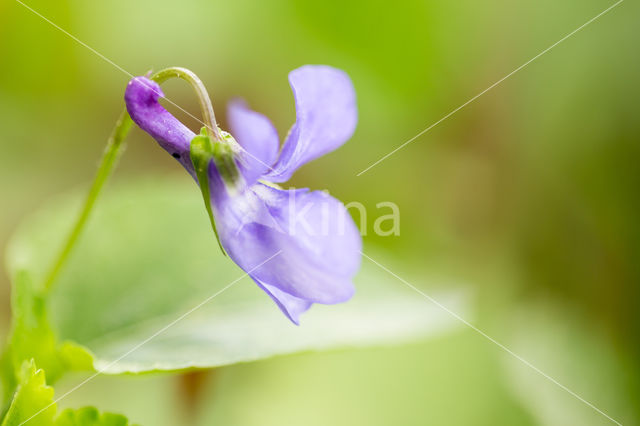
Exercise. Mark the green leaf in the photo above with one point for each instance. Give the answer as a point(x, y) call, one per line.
point(33, 402)
point(141, 290)
point(89, 416)
point(33, 399)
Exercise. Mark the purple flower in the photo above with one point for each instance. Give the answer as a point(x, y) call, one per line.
point(318, 244)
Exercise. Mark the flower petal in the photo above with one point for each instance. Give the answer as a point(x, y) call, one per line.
point(295, 244)
point(290, 305)
point(141, 98)
point(326, 117)
point(255, 133)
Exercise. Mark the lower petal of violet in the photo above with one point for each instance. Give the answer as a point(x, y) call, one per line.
point(290, 305)
point(309, 237)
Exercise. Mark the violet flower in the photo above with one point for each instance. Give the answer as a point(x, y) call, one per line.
point(318, 244)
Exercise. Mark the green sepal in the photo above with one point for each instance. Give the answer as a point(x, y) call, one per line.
point(201, 152)
point(224, 158)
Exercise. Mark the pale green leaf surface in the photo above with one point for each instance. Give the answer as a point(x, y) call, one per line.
point(149, 256)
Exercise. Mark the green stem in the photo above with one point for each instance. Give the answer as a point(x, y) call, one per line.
point(109, 159)
point(201, 92)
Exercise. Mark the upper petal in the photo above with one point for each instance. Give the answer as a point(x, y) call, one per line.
point(141, 98)
point(257, 136)
point(326, 117)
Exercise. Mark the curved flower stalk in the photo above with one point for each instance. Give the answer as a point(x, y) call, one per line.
point(316, 242)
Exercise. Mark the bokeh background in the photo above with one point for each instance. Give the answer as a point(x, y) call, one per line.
point(529, 195)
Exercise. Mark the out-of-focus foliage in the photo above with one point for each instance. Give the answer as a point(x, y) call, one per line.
point(529, 194)
point(558, 343)
point(33, 403)
point(89, 416)
point(32, 338)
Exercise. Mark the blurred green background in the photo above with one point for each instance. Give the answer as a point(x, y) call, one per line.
point(529, 195)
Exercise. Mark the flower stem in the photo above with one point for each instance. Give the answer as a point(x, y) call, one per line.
point(203, 96)
point(109, 159)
